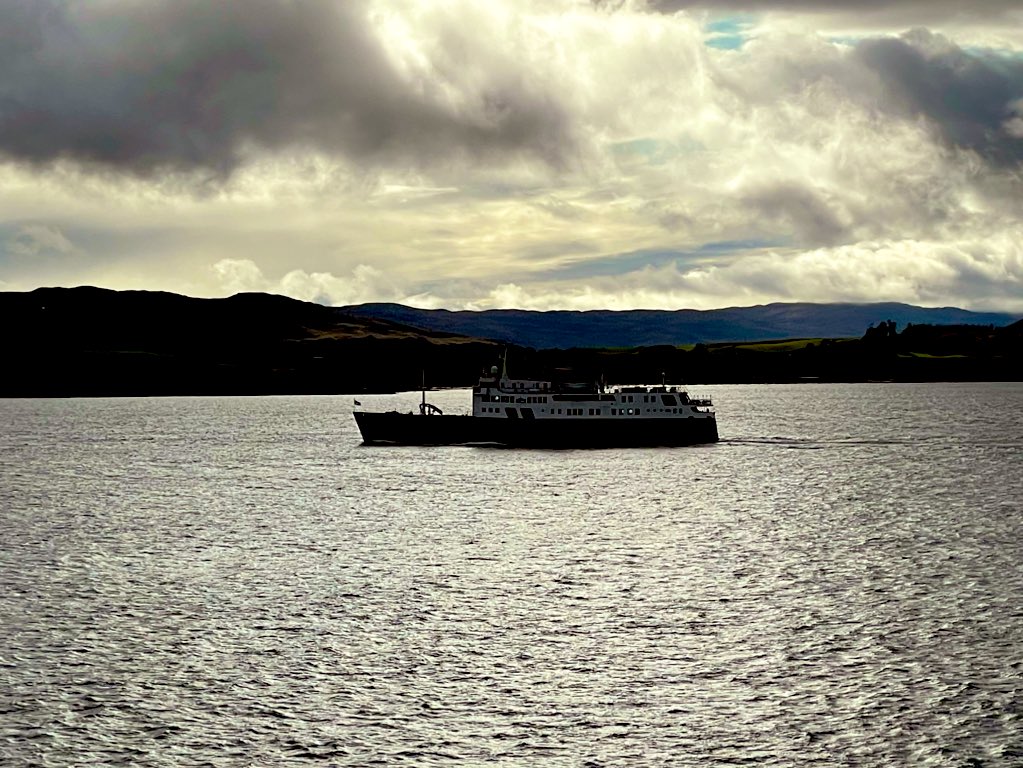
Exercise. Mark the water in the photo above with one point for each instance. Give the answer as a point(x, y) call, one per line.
point(236, 582)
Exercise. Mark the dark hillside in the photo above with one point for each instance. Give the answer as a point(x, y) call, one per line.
point(91, 341)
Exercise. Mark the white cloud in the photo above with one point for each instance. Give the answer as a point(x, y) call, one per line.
point(984, 274)
point(240, 276)
point(365, 283)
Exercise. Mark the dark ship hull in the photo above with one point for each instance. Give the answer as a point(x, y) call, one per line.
point(394, 428)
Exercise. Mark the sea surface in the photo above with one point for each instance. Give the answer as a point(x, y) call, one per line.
point(237, 582)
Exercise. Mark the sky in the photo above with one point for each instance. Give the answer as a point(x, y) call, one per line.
point(534, 154)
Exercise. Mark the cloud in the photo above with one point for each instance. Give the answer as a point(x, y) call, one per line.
point(805, 212)
point(452, 153)
point(982, 274)
point(972, 98)
point(365, 284)
point(31, 240)
point(890, 11)
point(240, 276)
point(142, 86)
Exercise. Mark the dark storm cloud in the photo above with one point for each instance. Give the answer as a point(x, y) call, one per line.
point(969, 97)
point(191, 85)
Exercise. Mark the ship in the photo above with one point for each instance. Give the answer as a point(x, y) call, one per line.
point(527, 413)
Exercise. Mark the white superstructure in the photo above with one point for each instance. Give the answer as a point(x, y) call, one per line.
point(500, 397)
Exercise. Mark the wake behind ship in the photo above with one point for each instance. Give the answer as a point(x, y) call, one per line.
point(539, 414)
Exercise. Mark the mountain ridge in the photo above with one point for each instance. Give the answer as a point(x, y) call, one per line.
point(564, 329)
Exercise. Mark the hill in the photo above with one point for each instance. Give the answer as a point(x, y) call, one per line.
point(643, 328)
point(92, 341)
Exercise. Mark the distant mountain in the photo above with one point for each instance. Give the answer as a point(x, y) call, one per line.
point(639, 328)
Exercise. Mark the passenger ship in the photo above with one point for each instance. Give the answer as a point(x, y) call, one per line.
point(542, 414)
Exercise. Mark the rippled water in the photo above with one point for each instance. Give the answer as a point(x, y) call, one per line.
point(235, 581)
